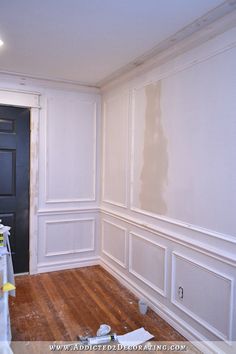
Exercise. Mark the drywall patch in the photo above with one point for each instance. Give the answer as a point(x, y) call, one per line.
point(154, 172)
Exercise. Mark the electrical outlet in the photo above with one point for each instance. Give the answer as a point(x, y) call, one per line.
point(181, 292)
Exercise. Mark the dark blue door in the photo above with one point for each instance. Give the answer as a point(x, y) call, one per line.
point(14, 180)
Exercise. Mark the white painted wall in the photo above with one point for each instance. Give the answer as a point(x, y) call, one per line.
point(175, 197)
point(68, 175)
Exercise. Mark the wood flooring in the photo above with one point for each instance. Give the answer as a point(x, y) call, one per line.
point(59, 306)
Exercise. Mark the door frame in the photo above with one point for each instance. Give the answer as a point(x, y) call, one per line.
point(30, 100)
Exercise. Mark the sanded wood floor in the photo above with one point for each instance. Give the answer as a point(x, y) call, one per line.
point(62, 305)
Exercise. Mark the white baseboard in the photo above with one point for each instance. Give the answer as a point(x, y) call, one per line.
point(51, 267)
point(20, 274)
point(170, 317)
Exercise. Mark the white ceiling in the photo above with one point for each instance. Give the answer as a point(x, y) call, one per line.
point(87, 40)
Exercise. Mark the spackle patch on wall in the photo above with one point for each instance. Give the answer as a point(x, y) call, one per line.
point(154, 171)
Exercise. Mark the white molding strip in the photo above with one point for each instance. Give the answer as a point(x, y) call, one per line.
point(122, 264)
point(162, 292)
point(186, 225)
point(227, 338)
point(75, 263)
point(19, 98)
point(42, 212)
point(34, 187)
point(63, 253)
point(94, 190)
point(114, 203)
point(65, 201)
point(27, 80)
point(217, 253)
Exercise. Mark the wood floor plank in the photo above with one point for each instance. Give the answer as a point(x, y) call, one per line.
point(69, 311)
point(58, 306)
point(113, 301)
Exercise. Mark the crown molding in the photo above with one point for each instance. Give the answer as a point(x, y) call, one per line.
point(214, 23)
point(24, 81)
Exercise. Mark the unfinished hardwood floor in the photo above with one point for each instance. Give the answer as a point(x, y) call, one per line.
point(62, 305)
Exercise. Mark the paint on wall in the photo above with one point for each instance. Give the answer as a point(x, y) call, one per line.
point(154, 172)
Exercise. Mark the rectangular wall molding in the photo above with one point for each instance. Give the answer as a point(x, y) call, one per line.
point(151, 269)
point(115, 128)
point(213, 278)
point(78, 236)
point(90, 198)
point(111, 246)
point(217, 322)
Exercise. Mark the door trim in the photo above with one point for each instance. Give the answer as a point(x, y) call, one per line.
point(29, 100)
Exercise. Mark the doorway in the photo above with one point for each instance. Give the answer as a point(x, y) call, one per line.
point(15, 181)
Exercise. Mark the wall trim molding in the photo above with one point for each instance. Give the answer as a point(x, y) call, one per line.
point(217, 253)
point(123, 205)
point(46, 164)
point(19, 98)
point(186, 225)
point(63, 253)
point(162, 292)
point(45, 212)
point(122, 264)
point(227, 338)
point(74, 251)
point(211, 24)
point(75, 263)
point(25, 79)
point(163, 311)
point(120, 205)
point(65, 201)
point(166, 73)
point(214, 23)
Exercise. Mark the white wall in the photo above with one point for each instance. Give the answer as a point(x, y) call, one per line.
point(169, 188)
point(68, 178)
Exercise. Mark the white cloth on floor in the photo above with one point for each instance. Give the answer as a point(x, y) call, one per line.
point(136, 337)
